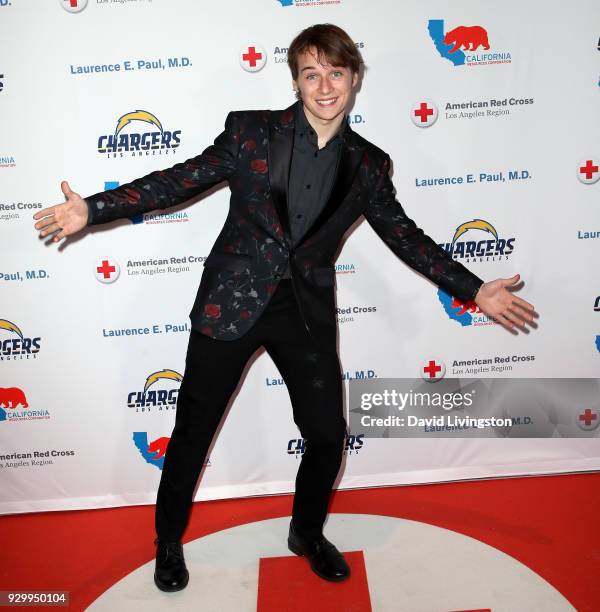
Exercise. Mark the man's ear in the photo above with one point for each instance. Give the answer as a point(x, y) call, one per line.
point(354, 79)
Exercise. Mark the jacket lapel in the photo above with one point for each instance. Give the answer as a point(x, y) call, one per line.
point(281, 142)
point(351, 155)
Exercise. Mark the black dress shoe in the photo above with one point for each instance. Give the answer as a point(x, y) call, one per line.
point(170, 573)
point(324, 558)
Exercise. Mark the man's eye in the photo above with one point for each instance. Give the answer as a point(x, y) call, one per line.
point(338, 73)
point(310, 76)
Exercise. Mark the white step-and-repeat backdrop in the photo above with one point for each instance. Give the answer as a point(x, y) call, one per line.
point(490, 114)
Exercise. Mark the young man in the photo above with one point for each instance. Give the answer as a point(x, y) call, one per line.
point(299, 178)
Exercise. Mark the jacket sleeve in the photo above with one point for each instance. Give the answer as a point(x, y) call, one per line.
point(387, 217)
point(164, 188)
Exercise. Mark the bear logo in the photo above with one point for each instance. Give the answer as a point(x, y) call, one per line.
point(469, 38)
point(463, 307)
point(158, 446)
point(11, 397)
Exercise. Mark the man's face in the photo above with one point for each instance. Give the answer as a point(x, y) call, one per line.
point(325, 89)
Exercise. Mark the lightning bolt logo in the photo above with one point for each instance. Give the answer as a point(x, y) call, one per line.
point(138, 115)
point(479, 224)
point(4, 324)
point(168, 374)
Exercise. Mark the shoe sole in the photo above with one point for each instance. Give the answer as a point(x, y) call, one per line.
point(179, 587)
point(297, 551)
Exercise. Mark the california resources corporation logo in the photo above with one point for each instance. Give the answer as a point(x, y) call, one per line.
point(159, 392)
point(7, 161)
point(129, 139)
point(154, 452)
point(15, 407)
point(465, 45)
point(465, 313)
point(308, 2)
point(73, 6)
point(16, 345)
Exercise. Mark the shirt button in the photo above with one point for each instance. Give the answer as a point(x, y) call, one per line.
point(316, 154)
point(308, 186)
point(298, 216)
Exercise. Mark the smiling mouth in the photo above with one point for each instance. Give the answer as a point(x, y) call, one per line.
point(326, 102)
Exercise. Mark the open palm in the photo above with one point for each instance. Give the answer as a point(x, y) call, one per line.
point(63, 219)
point(496, 300)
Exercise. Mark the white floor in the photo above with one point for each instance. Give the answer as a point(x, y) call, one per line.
point(411, 567)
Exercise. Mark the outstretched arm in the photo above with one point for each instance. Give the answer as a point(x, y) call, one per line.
point(157, 190)
point(387, 217)
point(420, 252)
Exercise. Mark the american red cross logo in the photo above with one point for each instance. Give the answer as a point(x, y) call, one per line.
point(432, 369)
point(105, 269)
point(73, 6)
point(251, 56)
point(589, 169)
point(588, 417)
point(423, 112)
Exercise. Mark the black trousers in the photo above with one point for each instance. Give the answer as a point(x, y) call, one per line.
point(212, 372)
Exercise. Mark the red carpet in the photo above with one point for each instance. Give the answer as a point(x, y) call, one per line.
point(548, 523)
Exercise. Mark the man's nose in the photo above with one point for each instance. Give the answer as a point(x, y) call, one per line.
point(325, 86)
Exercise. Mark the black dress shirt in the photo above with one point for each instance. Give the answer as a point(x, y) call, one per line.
point(311, 175)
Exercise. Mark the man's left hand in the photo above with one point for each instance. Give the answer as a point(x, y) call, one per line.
point(495, 300)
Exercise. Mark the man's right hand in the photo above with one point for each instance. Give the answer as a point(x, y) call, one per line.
point(63, 219)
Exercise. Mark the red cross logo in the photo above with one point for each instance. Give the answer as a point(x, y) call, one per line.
point(588, 171)
point(107, 271)
point(252, 58)
point(73, 6)
point(588, 417)
point(432, 369)
point(424, 113)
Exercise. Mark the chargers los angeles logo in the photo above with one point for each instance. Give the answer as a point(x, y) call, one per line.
point(19, 347)
point(136, 143)
point(489, 248)
point(159, 392)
